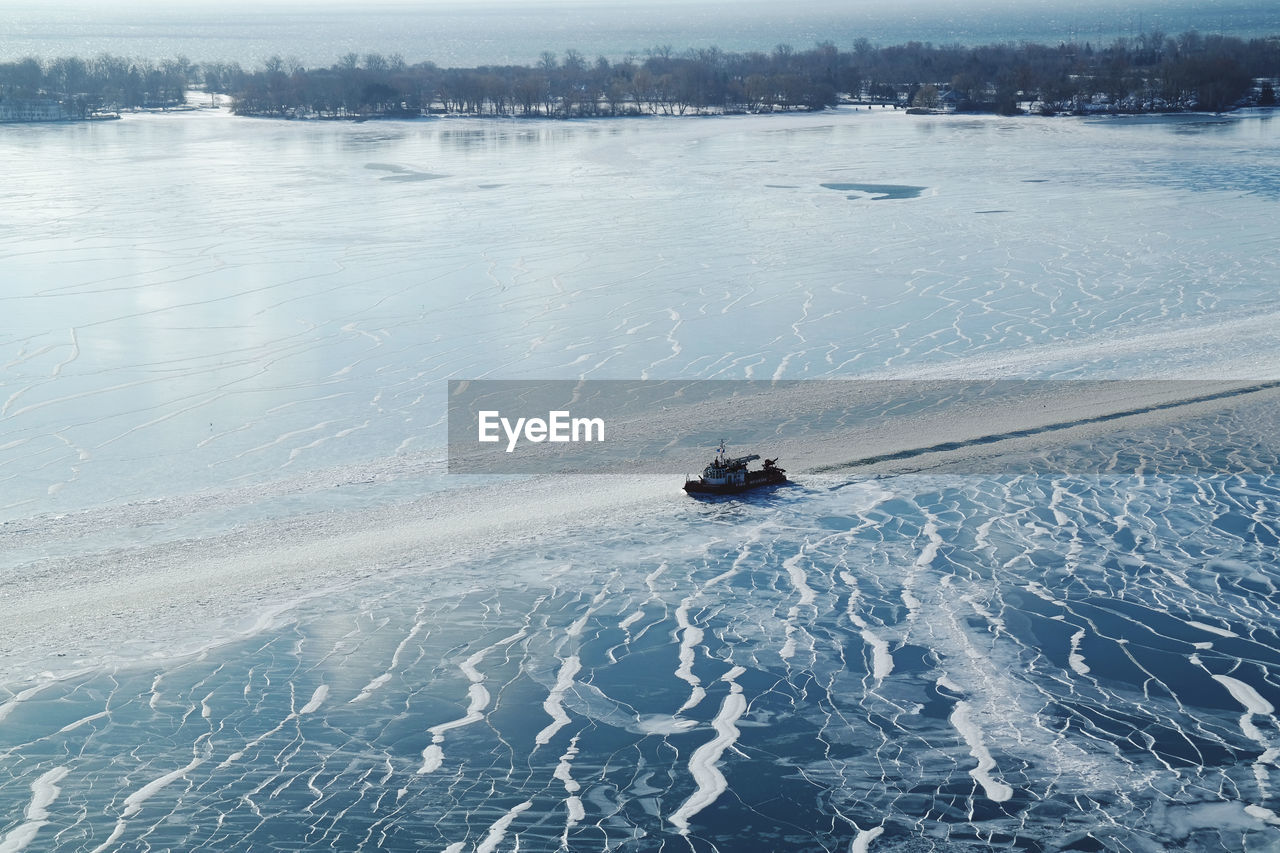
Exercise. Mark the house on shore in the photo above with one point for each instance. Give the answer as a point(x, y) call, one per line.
point(951, 101)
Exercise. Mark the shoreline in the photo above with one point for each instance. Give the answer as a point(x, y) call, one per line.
point(851, 106)
point(1175, 74)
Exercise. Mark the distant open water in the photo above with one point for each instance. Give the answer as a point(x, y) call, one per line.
point(501, 33)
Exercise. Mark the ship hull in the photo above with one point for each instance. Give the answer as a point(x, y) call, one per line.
point(755, 480)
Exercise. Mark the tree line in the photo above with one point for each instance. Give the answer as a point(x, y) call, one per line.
point(1149, 73)
point(100, 84)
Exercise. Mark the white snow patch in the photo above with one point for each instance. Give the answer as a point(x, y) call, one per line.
point(702, 764)
point(44, 791)
point(996, 790)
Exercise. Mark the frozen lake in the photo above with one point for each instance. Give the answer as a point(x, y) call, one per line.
point(196, 301)
point(222, 433)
